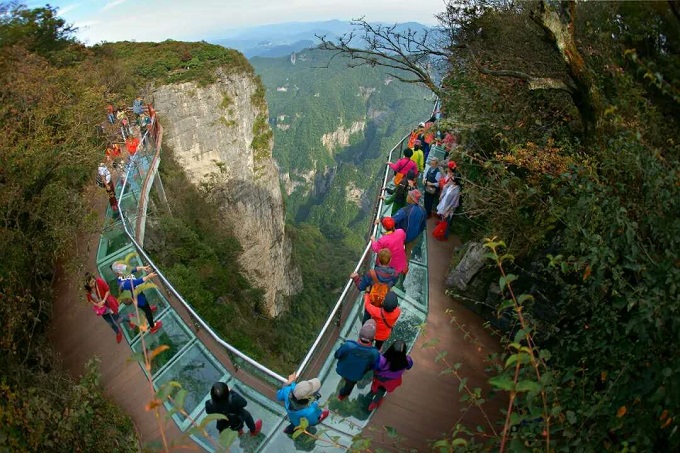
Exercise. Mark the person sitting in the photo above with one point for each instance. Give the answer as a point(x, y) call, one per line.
point(300, 400)
point(229, 403)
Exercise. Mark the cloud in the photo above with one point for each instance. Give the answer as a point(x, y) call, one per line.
point(112, 4)
point(68, 8)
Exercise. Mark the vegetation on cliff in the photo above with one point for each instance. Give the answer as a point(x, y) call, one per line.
point(568, 114)
point(50, 87)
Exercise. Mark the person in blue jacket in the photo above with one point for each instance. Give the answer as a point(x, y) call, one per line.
point(412, 219)
point(356, 358)
point(129, 283)
point(299, 400)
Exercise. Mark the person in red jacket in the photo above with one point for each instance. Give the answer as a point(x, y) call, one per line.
point(103, 302)
point(131, 143)
point(385, 317)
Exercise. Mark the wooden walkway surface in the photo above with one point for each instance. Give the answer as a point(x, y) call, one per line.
point(427, 405)
point(78, 334)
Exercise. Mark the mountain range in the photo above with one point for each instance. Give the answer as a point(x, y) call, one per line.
point(282, 39)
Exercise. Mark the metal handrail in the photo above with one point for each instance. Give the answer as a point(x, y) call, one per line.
point(348, 285)
point(235, 351)
point(179, 297)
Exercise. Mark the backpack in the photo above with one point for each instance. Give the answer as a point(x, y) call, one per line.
point(378, 290)
point(99, 180)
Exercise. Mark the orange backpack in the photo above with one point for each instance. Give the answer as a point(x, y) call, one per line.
point(378, 290)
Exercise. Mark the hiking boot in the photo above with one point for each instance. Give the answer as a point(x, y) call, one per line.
point(119, 336)
point(341, 397)
point(156, 326)
point(258, 428)
point(323, 415)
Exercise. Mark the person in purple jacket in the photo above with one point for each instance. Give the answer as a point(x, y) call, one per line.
point(387, 373)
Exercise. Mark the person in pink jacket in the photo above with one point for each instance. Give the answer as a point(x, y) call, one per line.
point(394, 241)
point(405, 164)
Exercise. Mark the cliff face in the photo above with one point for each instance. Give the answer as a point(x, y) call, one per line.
point(211, 130)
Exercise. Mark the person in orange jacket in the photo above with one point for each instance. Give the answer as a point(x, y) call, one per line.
point(385, 317)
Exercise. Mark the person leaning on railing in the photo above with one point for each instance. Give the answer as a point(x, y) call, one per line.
point(300, 400)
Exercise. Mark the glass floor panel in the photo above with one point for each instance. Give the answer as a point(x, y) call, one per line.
point(173, 334)
point(195, 370)
point(415, 285)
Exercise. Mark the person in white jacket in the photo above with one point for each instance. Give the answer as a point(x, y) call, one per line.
point(449, 200)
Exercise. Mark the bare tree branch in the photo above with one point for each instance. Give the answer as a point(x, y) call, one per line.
point(408, 51)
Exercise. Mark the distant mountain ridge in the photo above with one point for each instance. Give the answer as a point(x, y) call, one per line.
point(282, 39)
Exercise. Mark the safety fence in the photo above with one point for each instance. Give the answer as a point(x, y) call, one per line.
point(197, 357)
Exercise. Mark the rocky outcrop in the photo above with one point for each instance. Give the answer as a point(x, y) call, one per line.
point(211, 132)
point(340, 137)
point(472, 262)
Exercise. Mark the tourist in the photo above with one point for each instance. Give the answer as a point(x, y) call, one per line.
point(356, 358)
point(431, 183)
point(109, 114)
point(393, 240)
point(418, 157)
point(103, 303)
point(387, 375)
point(398, 194)
point(413, 220)
point(449, 200)
point(131, 144)
point(229, 403)
point(385, 317)
point(138, 105)
point(128, 282)
point(403, 166)
point(300, 400)
point(104, 179)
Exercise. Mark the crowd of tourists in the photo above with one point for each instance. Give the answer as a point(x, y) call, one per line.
point(123, 129)
point(439, 179)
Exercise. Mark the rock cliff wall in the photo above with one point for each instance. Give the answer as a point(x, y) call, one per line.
point(211, 130)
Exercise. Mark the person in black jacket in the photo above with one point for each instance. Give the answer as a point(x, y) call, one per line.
point(228, 402)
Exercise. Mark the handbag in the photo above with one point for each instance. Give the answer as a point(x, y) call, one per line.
point(431, 190)
point(397, 178)
point(439, 231)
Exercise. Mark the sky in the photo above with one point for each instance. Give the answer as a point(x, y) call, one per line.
point(195, 20)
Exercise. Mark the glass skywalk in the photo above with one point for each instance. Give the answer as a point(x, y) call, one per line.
point(190, 362)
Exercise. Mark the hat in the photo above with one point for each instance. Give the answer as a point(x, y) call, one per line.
point(306, 389)
point(119, 267)
point(387, 223)
point(421, 124)
point(367, 331)
point(415, 195)
point(452, 164)
point(390, 302)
